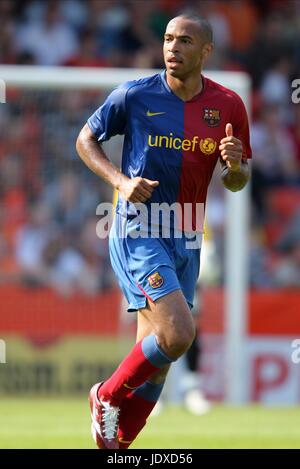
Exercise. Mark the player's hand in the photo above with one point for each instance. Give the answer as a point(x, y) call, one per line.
point(231, 149)
point(138, 189)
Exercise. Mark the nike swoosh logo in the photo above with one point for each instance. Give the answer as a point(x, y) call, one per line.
point(124, 441)
point(150, 114)
point(128, 387)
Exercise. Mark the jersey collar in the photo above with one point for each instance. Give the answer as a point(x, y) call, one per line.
point(168, 89)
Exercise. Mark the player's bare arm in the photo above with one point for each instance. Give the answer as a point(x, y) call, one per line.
point(235, 173)
point(136, 190)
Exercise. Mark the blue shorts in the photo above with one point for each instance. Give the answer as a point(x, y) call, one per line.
point(149, 268)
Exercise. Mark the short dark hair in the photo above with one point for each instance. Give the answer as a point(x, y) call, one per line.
point(205, 27)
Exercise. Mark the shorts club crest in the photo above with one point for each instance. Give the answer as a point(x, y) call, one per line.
point(155, 280)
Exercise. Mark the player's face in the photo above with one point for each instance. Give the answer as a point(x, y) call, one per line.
point(184, 48)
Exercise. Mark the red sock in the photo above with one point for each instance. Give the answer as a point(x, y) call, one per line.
point(144, 359)
point(135, 409)
point(133, 415)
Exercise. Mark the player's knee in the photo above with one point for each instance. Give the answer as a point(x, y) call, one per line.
point(184, 340)
point(176, 341)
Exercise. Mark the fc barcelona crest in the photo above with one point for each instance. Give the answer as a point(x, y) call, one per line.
point(212, 117)
point(155, 280)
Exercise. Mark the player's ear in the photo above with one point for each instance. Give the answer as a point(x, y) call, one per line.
point(207, 49)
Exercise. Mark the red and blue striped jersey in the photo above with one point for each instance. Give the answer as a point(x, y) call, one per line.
point(170, 140)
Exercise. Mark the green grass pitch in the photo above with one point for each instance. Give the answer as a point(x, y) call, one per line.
point(54, 423)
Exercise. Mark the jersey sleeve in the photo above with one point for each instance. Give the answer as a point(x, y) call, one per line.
point(241, 127)
point(110, 118)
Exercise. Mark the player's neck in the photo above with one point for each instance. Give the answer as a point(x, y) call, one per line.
point(185, 88)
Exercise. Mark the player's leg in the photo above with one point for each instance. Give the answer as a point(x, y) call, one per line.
point(138, 405)
point(145, 272)
point(142, 400)
point(173, 332)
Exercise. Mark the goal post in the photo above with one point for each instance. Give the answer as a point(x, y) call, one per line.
point(236, 204)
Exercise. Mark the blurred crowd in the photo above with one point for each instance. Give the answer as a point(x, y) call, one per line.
point(48, 198)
